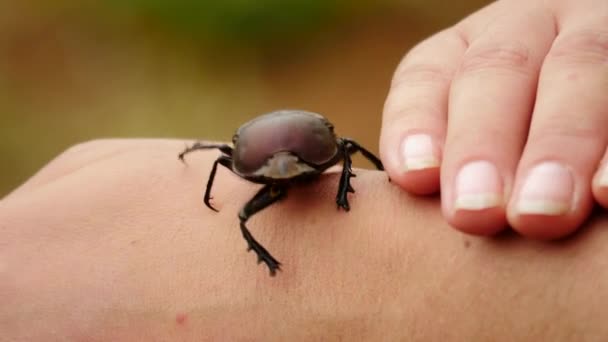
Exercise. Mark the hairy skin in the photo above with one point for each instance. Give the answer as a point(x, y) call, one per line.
point(111, 241)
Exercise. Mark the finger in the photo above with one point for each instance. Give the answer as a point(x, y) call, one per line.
point(491, 101)
point(568, 133)
point(414, 119)
point(600, 182)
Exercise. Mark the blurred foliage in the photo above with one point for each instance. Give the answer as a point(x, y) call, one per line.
point(77, 70)
point(237, 19)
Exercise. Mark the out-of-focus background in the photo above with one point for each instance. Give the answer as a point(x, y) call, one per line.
point(74, 70)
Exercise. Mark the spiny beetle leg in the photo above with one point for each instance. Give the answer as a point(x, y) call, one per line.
point(345, 187)
point(350, 147)
point(262, 254)
point(268, 195)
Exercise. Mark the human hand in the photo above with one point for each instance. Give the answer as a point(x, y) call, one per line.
point(511, 104)
point(112, 242)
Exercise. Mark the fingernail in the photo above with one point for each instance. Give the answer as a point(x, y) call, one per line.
point(478, 187)
point(604, 177)
point(419, 153)
point(547, 190)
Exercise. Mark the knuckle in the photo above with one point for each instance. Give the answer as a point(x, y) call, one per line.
point(566, 129)
point(508, 57)
point(466, 140)
point(414, 93)
point(414, 110)
point(580, 46)
point(416, 117)
point(420, 73)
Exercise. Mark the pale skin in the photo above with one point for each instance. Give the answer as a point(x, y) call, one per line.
point(111, 241)
point(507, 114)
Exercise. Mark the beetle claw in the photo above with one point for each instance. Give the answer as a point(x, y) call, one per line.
point(261, 253)
point(207, 201)
point(344, 205)
point(273, 270)
point(211, 207)
point(265, 257)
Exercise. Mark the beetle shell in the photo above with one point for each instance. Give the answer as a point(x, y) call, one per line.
point(307, 135)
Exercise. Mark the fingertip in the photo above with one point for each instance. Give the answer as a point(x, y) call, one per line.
point(413, 162)
point(485, 222)
point(417, 182)
point(421, 182)
point(600, 186)
point(477, 214)
point(544, 227)
point(473, 200)
point(601, 196)
point(547, 220)
point(551, 201)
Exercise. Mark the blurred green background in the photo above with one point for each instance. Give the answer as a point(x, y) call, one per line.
point(73, 70)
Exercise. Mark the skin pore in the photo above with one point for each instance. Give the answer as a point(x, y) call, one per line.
point(111, 241)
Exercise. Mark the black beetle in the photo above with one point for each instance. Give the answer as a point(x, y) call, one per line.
point(277, 149)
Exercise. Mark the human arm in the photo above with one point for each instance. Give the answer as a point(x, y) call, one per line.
point(111, 241)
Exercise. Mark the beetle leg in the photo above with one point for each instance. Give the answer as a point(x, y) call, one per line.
point(268, 195)
point(350, 147)
point(344, 187)
point(224, 161)
point(224, 148)
point(354, 147)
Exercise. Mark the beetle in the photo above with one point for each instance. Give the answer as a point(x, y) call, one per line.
point(276, 150)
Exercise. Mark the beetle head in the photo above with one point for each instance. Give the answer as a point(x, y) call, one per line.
point(284, 165)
